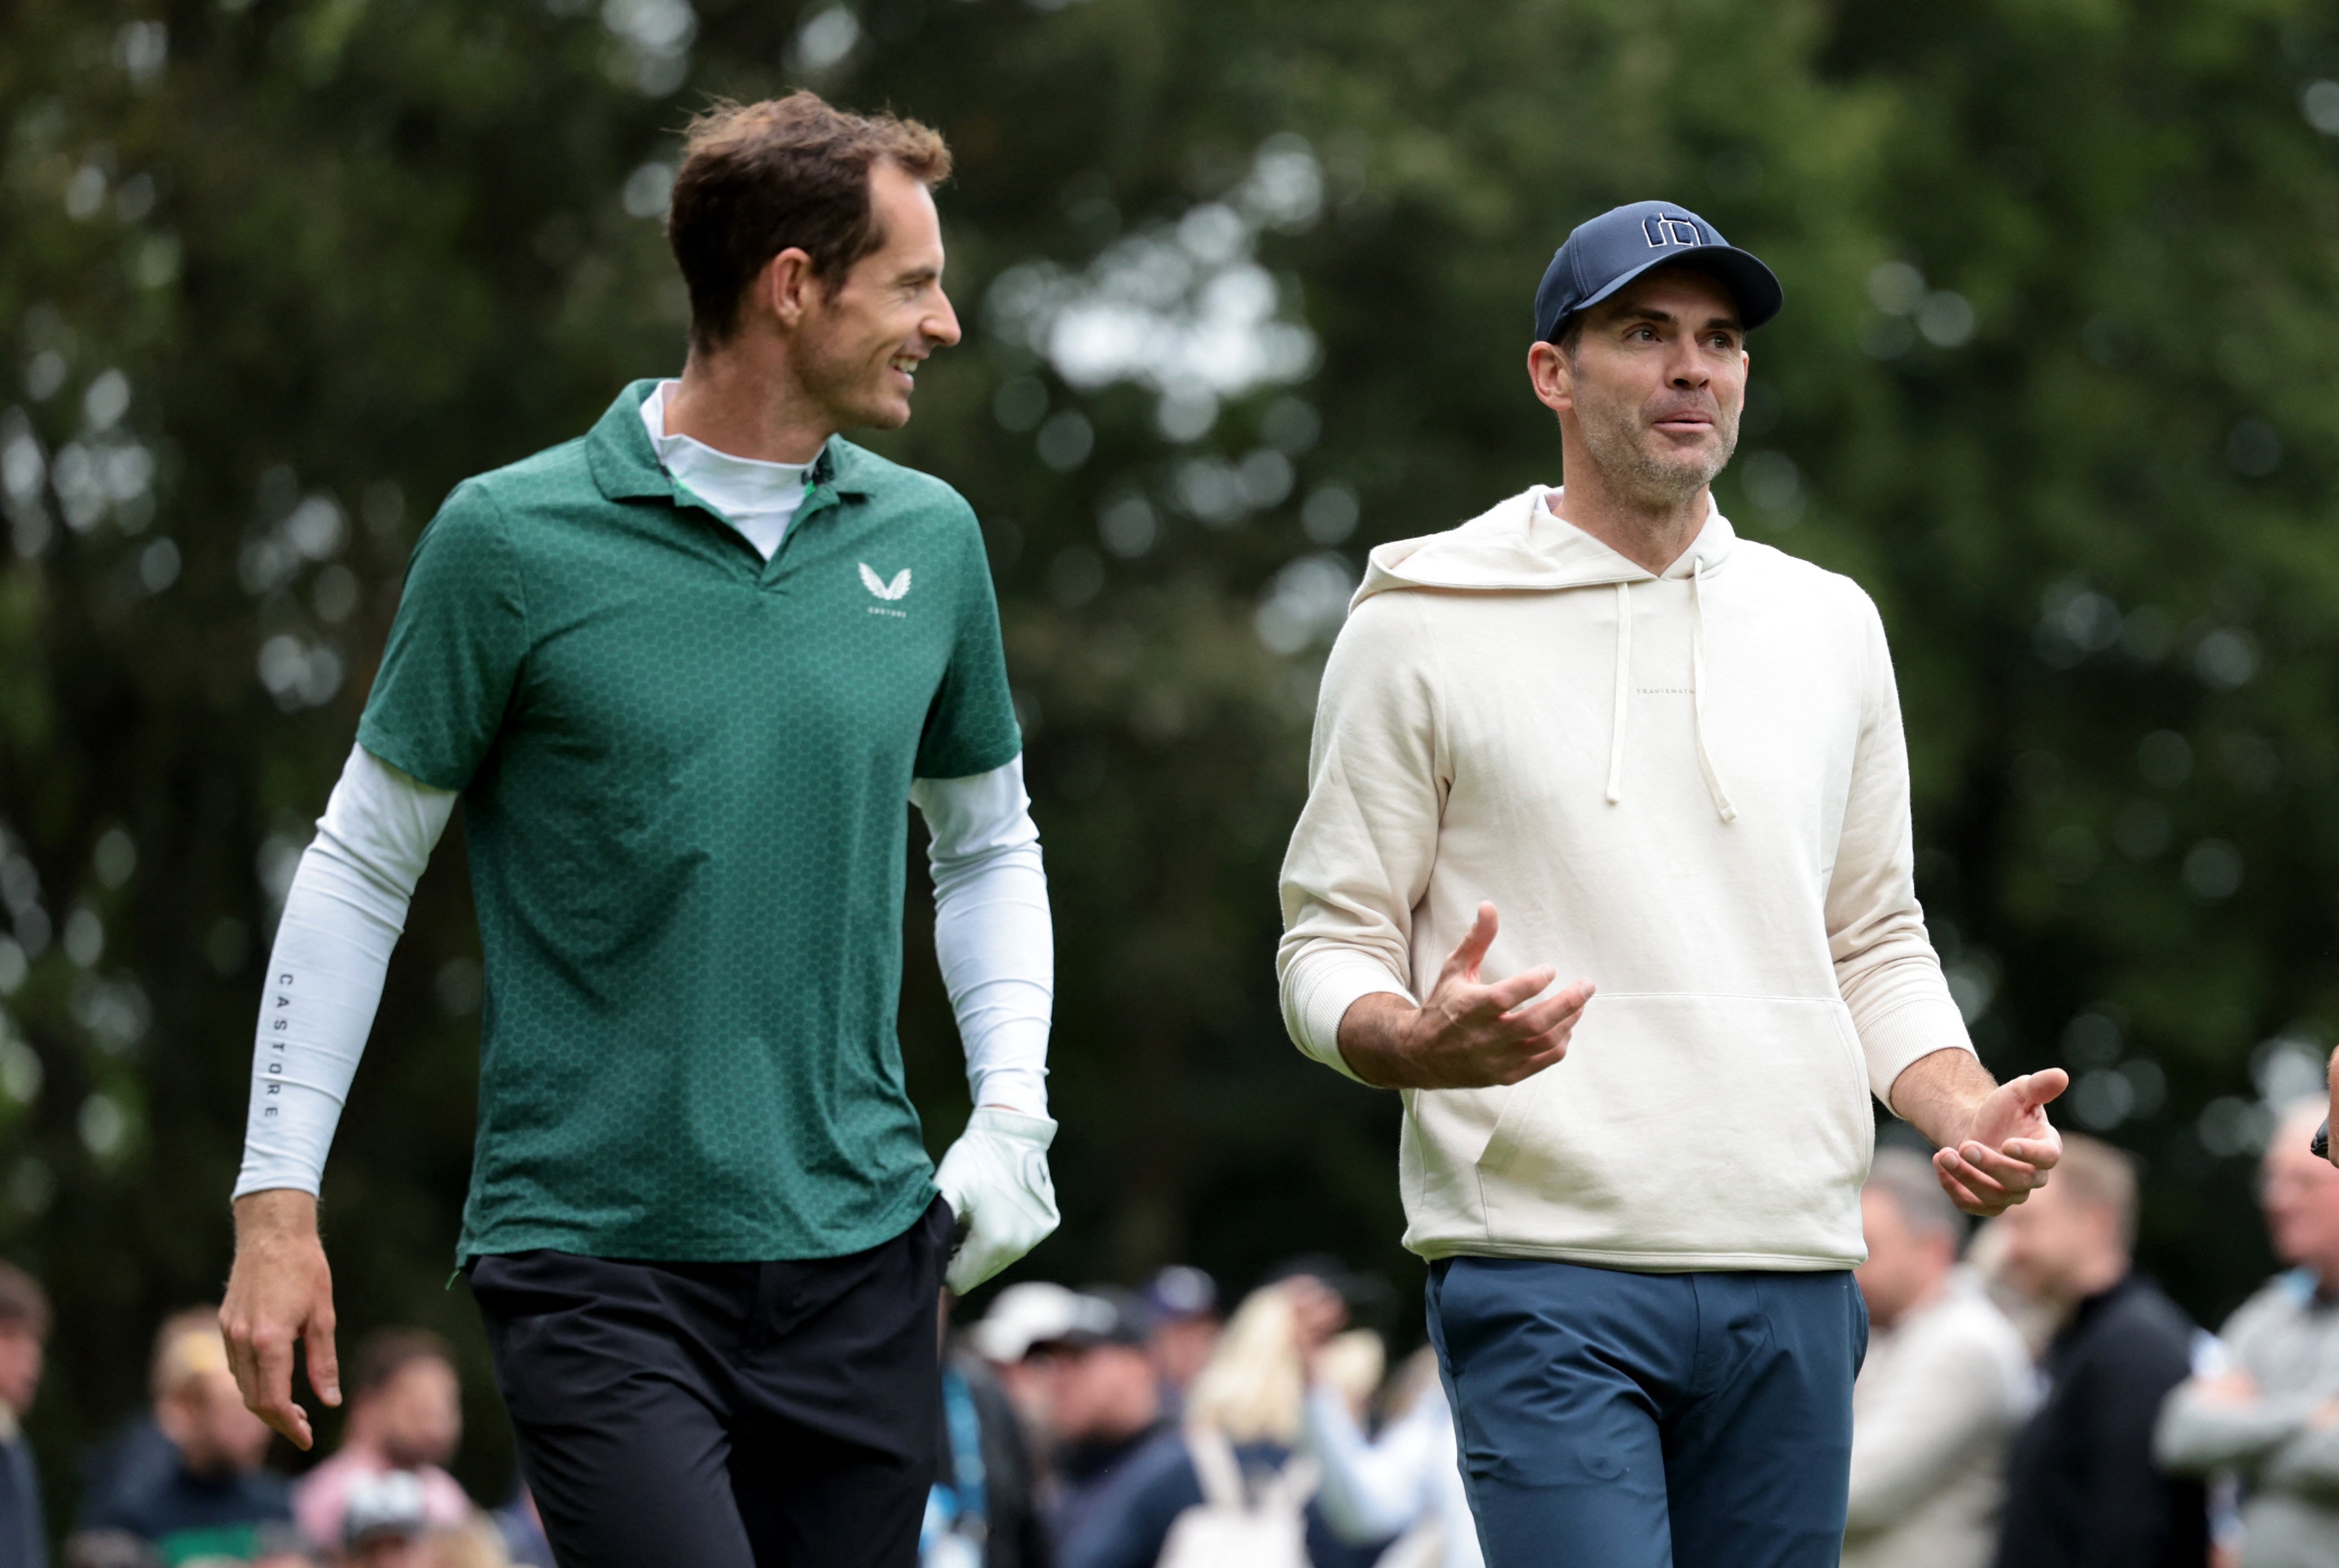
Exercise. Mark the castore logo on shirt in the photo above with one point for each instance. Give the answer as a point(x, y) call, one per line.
point(881, 587)
point(887, 592)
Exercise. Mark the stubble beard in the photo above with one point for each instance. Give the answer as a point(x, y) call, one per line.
point(841, 382)
point(1622, 446)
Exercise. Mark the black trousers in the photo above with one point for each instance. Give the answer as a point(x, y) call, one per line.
point(725, 1415)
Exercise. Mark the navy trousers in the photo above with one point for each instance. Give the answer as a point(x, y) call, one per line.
point(1616, 1420)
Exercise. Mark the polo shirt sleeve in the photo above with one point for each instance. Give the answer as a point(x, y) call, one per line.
point(455, 647)
point(971, 728)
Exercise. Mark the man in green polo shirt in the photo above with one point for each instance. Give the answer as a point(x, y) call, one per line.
point(683, 673)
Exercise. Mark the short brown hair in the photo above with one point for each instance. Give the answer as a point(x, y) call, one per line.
point(386, 1352)
point(2093, 1172)
point(23, 1303)
point(759, 177)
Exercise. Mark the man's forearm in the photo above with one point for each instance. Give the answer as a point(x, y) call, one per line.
point(342, 916)
point(1938, 1094)
point(993, 934)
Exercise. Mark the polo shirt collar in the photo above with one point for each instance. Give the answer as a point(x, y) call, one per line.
point(625, 467)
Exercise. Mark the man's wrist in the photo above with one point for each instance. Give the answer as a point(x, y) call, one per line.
point(275, 1213)
point(1320, 991)
point(1374, 1035)
point(1004, 1122)
point(1940, 1093)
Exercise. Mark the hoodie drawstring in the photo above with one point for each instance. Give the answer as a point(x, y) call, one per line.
point(1696, 692)
point(1624, 691)
point(1697, 689)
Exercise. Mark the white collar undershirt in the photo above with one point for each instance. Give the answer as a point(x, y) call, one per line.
point(759, 499)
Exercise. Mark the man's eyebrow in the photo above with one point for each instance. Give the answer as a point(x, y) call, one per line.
point(1651, 313)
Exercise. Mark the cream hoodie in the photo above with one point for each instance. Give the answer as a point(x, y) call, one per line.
point(1690, 790)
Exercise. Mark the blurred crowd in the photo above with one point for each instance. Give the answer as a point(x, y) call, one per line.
point(187, 1480)
point(2029, 1400)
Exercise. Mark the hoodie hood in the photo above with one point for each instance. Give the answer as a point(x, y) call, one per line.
point(1518, 545)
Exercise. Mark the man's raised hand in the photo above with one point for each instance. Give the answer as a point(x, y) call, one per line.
point(1465, 1035)
point(279, 1295)
point(2008, 1148)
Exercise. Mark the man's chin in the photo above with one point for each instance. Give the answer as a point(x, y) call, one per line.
point(1690, 468)
point(885, 412)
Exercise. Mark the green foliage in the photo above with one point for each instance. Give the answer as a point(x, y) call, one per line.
point(275, 273)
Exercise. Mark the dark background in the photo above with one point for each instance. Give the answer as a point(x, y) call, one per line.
point(1247, 289)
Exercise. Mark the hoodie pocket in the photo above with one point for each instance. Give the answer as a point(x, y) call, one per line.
point(1688, 1131)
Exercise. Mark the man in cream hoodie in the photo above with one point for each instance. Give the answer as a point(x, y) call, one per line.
point(1672, 759)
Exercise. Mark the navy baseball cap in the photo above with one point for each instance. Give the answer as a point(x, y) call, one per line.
point(1606, 252)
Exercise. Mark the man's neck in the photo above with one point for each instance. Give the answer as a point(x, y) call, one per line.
point(1651, 533)
point(745, 400)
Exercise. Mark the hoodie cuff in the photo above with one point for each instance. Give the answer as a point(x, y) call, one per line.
point(1904, 1036)
point(1321, 996)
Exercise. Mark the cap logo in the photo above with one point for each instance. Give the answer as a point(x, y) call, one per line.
point(1664, 230)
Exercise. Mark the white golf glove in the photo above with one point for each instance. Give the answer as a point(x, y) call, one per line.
point(995, 1179)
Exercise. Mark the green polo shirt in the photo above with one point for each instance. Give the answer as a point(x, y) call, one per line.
point(685, 773)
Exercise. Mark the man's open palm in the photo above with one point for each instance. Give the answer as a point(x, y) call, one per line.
point(2009, 1146)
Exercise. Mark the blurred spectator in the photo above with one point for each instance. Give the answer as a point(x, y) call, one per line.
point(133, 1457)
point(1946, 1383)
point(23, 1337)
point(1102, 1406)
point(384, 1517)
point(1226, 1482)
point(1182, 1317)
point(1404, 1482)
point(984, 1511)
point(216, 1495)
point(2036, 1320)
point(2272, 1415)
point(1035, 1312)
point(405, 1415)
point(2082, 1487)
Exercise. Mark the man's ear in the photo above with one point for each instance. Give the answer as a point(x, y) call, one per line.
point(1553, 382)
point(786, 287)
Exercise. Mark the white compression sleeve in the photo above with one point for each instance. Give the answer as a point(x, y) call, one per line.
point(342, 915)
point(992, 930)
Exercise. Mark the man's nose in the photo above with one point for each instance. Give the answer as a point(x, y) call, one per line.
point(942, 323)
point(1688, 370)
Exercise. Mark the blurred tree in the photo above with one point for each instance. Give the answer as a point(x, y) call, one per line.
point(1247, 289)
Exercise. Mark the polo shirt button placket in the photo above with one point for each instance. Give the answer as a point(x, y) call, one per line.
point(774, 578)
